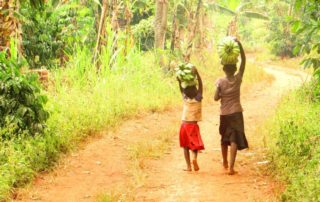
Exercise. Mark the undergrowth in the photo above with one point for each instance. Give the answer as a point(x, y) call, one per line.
point(293, 141)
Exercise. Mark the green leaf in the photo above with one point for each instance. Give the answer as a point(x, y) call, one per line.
point(221, 9)
point(295, 26)
point(296, 50)
point(251, 14)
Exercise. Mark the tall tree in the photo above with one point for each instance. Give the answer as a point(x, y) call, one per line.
point(160, 23)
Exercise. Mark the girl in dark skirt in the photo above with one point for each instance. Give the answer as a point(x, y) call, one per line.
point(190, 138)
point(231, 119)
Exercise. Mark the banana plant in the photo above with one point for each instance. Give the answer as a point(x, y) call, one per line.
point(238, 10)
point(10, 24)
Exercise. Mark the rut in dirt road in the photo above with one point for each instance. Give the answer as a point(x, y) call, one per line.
point(167, 181)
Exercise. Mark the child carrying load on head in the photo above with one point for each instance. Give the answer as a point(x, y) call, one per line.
point(190, 138)
point(228, 91)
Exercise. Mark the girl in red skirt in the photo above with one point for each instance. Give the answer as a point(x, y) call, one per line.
point(190, 138)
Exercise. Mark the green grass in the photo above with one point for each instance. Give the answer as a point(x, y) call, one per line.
point(293, 140)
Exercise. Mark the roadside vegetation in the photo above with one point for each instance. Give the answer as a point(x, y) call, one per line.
point(294, 132)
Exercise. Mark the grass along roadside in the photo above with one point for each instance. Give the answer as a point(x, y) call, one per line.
point(292, 137)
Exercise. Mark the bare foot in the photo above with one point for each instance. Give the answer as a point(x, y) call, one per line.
point(225, 165)
point(187, 169)
point(232, 172)
point(195, 165)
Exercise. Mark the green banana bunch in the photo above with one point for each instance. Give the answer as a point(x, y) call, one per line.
point(185, 74)
point(228, 51)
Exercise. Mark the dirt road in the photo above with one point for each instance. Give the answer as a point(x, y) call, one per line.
point(102, 165)
point(168, 182)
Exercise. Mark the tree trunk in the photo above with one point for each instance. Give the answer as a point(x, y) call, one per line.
point(174, 30)
point(128, 17)
point(101, 30)
point(114, 18)
point(193, 33)
point(9, 26)
point(160, 25)
point(232, 28)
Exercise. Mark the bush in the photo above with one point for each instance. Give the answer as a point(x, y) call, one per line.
point(143, 33)
point(21, 102)
point(280, 37)
point(50, 32)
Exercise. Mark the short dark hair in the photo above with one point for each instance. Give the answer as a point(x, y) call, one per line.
point(190, 91)
point(231, 68)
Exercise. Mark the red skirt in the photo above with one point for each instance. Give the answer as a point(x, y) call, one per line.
point(190, 136)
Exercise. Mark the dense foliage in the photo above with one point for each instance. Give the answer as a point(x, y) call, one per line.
point(143, 33)
point(50, 32)
point(21, 102)
point(307, 25)
point(280, 36)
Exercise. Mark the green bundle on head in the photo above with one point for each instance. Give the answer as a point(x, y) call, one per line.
point(185, 74)
point(228, 50)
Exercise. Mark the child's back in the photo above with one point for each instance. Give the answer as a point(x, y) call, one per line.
point(192, 104)
point(230, 94)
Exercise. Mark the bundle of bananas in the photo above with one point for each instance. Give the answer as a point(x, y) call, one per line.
point(228, 50)
point(185, 74)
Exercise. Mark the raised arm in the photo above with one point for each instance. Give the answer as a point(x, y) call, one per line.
point(180, 87)
point(243, 58)
point(200, 90)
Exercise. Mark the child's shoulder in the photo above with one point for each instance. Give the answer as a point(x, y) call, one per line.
point(197, 98)
point(220, 80)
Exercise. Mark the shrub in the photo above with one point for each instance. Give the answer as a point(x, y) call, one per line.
point(280, 37)
point(143, 33)
point(51, 31)
point(21, 102)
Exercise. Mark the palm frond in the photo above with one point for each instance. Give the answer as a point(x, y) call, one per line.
point(243, 6)
point(221, 9)
point(255, 15)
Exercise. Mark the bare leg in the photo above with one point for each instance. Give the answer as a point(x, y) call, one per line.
point(187, 157)
point(233, 155)
point(224, 152)
point(194, 160)
point(195, 154)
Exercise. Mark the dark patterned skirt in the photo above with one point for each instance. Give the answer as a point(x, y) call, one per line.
point(232, 130)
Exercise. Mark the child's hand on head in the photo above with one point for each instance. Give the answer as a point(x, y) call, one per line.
point(194, 70)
